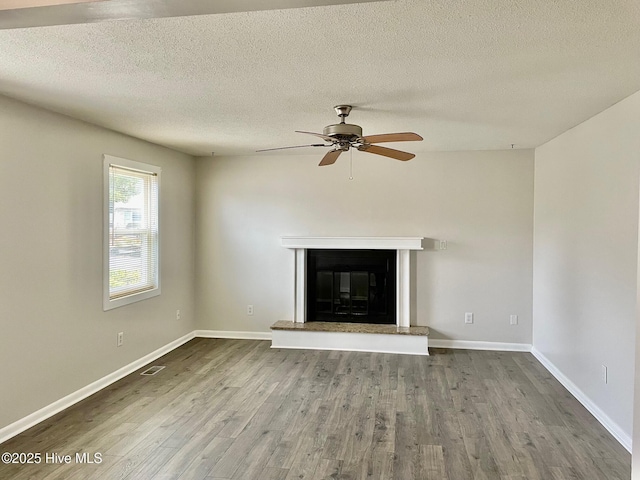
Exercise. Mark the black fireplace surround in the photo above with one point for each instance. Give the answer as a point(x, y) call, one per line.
point(356, 286)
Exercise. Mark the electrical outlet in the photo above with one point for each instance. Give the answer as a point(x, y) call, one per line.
point(513, 319)
point(443, 244)
point(249, 309)
point(468, 317)
point(178, 315)
point(604, 374)
point(120, 340)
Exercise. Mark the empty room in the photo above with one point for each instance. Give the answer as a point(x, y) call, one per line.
point(319, 239)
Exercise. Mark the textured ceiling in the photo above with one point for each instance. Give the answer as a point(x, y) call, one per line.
point(464, 75)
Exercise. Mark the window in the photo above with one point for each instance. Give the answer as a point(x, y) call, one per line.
point(131, 243)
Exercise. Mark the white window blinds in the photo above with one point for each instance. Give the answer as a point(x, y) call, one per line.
point(132, 230)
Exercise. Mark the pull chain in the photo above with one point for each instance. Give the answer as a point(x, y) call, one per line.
point(350, 164)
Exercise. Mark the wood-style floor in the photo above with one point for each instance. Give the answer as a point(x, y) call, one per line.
point(234, 409)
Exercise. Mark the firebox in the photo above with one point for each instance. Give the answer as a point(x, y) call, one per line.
point(351, 286)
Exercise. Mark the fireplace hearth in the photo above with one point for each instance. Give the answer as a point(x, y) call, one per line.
point(357, 286)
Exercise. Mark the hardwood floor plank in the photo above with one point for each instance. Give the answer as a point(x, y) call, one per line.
point(242, 445)
point(406, 442)
point(206, 459)
point(282, 456)
point(253, 464)
point(249, 405)
point(379, 464)
point(308, 453)
point(327, 469)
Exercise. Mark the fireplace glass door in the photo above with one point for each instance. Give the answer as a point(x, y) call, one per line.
point(351, 286)
point(343, 293)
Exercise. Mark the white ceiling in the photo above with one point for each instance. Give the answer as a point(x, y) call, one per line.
point(464, 75)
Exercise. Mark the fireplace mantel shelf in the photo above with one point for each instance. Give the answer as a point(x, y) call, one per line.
point(363, 243)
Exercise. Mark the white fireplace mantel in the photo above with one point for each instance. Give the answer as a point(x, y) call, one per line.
point(361, 243)
point(402, 245)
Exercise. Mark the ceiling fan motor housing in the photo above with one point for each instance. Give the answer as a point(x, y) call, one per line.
point(344, 131)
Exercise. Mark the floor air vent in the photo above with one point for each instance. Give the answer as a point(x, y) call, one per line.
point(152, 370)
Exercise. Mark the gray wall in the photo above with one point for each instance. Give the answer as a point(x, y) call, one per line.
point(480, 202)
point(585, 256)
point(55, 338)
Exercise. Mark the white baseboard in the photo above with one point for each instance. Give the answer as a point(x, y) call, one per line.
point(235, 335)
point(36, 417)
point(472, 345)
point(613, 428)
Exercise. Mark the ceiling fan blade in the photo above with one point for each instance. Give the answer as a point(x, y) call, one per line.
point(324, 137)
point(393, 137)
point(386, 152)
point(330, 158)
point(295, 146)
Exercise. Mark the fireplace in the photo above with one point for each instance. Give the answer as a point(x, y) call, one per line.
point(346, 284)
point(401, 246)
point(357, 286)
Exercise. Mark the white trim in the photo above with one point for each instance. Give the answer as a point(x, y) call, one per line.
point(360, 243)
point(402, 245)
point(613, 428)
point(351, 341)
point(235, 335)
point(36, 417)
point(107, 302)
point(473, 345)
point(300, 300)
point(403, 288)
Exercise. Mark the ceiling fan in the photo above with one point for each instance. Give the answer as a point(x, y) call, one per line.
point(343, 136)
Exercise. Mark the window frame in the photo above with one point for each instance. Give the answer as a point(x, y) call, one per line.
point(107, 302)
